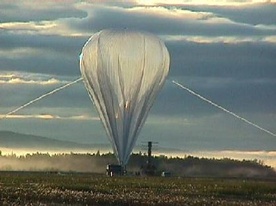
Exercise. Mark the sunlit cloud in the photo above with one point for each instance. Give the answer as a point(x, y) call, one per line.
point(203, 2)
point(240, 154)
point(33, 22)
point(219, 39)
point(17, 78)
point(40, 5)
point(266, 27)
point(51, 117)
point(7, 76)
point(13, 80)
point(20, 53)
point(171, 13)
point(161, 120)
point(57, 27)
point(28, 26)
point(83, 117)
point(271, 39)
point(39, 116)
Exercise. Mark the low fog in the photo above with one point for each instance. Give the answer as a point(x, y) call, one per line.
point(47, 162)
point(96, 163)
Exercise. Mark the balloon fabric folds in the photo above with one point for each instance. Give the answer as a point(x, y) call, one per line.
point(123, 72)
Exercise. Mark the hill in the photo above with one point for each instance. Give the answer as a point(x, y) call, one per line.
point(15, 140)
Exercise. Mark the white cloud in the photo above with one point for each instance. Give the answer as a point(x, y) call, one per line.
point(174, 12)
point(203, 2)
point(41, 18)
point(17, 80)
point(57, 27)
point(271, 39)
point(20, 116)
point(28, 26)
point(165, 120)
point(20, 53)
point(51, 117)
point(218, 39)
point(7, 76)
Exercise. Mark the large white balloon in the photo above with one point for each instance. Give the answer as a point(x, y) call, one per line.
point(123, 72)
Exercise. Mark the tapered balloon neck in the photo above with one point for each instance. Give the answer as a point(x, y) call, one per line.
point(123, 164)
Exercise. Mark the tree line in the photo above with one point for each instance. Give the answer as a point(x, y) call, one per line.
point(96, 163)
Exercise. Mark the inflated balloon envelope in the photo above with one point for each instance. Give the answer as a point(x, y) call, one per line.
point(123, 72)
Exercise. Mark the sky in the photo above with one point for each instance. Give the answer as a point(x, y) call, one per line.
point(223, 50)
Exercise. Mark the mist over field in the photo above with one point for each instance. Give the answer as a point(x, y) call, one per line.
point(16, 144)
point(43, 162)
point(96, 163)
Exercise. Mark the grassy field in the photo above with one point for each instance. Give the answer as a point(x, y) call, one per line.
point(37, 188)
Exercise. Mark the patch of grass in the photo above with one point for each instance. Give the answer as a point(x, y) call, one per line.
point(80, 189)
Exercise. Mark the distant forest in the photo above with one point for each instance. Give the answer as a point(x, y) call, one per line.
point(176, 166)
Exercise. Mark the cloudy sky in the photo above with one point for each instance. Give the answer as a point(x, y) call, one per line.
point(224, 50)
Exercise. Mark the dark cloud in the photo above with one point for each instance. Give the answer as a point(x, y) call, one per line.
point(114, 17)
point(75, 96)
point(237, 97)
point(263, 13)
point(50, 43)
point(58, 65)
point(213, 131)
point(57, 55)
point(18, 12)
point(240, 77)
point(234, 60)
